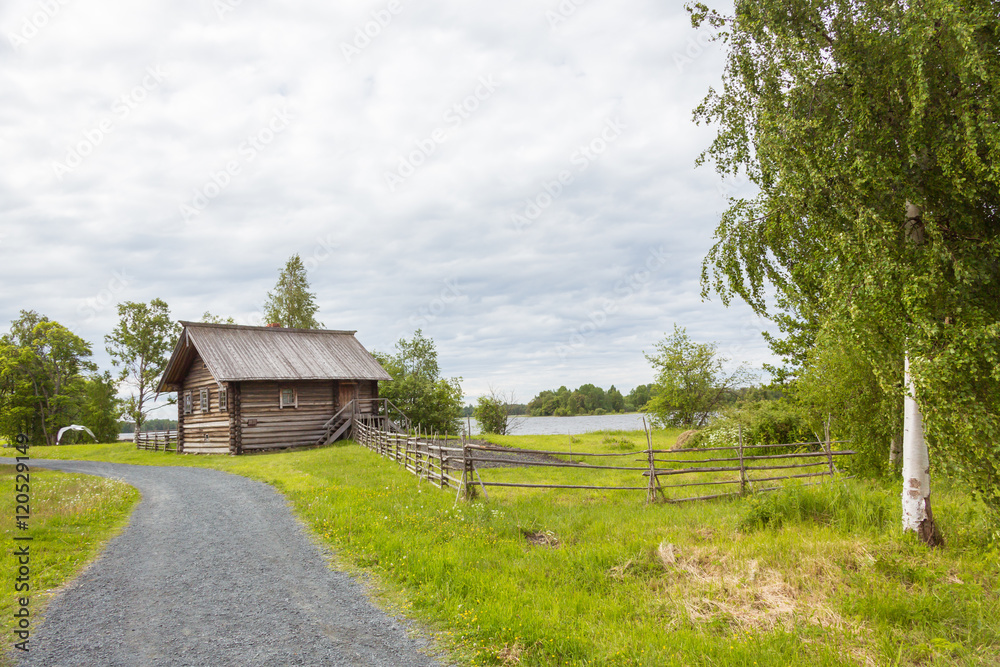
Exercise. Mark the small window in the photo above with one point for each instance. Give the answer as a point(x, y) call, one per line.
point(288, 398)
point(204, 400)
point(223, 400)
point(187, 402)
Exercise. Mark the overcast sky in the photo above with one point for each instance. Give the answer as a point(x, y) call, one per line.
point(517, 179)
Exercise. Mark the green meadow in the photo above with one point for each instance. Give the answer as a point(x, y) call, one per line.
point(818, 575)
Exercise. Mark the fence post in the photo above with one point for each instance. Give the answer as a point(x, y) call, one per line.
point(470, 489)
point(743, 471)
point(416, 456)
point(653, 490)
point(826, 445)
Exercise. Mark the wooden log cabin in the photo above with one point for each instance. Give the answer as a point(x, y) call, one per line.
point(242, 388)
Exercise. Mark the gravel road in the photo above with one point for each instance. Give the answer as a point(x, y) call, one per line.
point(213, 569)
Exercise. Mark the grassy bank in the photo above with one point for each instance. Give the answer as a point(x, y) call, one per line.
point(72, 517)
point(819, 575)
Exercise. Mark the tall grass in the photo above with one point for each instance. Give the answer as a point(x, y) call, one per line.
point(848, 506)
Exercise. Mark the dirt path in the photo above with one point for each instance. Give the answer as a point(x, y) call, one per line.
point(213, 569)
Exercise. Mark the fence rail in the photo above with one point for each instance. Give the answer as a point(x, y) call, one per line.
point(448, 463)
point(435, 460)
point(157, 441)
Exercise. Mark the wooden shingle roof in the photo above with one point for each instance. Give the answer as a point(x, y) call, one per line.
point(236, 353)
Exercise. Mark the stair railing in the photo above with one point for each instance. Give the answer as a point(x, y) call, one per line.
point(330, 425)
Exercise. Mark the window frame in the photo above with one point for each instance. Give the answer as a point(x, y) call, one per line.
point(203, 403)
point(188, 403)
point(281, 398)
point(223, 399)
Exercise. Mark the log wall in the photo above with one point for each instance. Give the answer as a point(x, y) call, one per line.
point(203, 431)
point(366, 389)
point(276, 426)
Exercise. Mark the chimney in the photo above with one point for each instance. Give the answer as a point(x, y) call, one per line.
point(272, 324)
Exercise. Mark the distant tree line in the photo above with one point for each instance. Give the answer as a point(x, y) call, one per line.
point(588, 399)
point(516, 410)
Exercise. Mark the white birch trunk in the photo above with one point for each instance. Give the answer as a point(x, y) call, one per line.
point(916, 464)
point(917, 515)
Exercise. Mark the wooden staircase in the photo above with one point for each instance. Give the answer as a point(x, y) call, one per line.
point(341, 424)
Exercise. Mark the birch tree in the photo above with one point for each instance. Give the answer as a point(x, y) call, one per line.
point(140, 347)
point(847, 116)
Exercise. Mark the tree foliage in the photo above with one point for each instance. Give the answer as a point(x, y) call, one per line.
point(872, 134)
point(841, 384)
point(291, 304)
point(209, 318)
point(640, 395)
point(101, 408)
point(43, 382)
point(691, 380)
point(493, 412)
point(140, 345)
point(417, 388)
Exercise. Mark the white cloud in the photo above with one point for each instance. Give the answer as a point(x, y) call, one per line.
point(379, 260)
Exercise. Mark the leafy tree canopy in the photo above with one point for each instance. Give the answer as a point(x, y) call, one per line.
point(871, 131)
point(140, 345)
point(493, 412)
point(430, 401)
point(101, 408)
point(691, 380)
point(587, 399)
point(209, 318)
point(43, 385)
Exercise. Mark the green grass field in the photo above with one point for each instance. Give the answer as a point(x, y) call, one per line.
point(71, 518)
point(813, 575)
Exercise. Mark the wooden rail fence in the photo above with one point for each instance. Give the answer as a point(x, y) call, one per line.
point(157, 441)
point(453, 464)
point(427, 458)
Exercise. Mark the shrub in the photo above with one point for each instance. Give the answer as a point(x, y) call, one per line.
point(763, 423)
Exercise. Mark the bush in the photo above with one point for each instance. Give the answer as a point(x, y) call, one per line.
point(763, 423)
point(492, 415)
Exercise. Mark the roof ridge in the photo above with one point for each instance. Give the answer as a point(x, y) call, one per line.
point(213, 325)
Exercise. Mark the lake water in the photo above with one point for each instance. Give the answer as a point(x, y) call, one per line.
point(572, 425)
